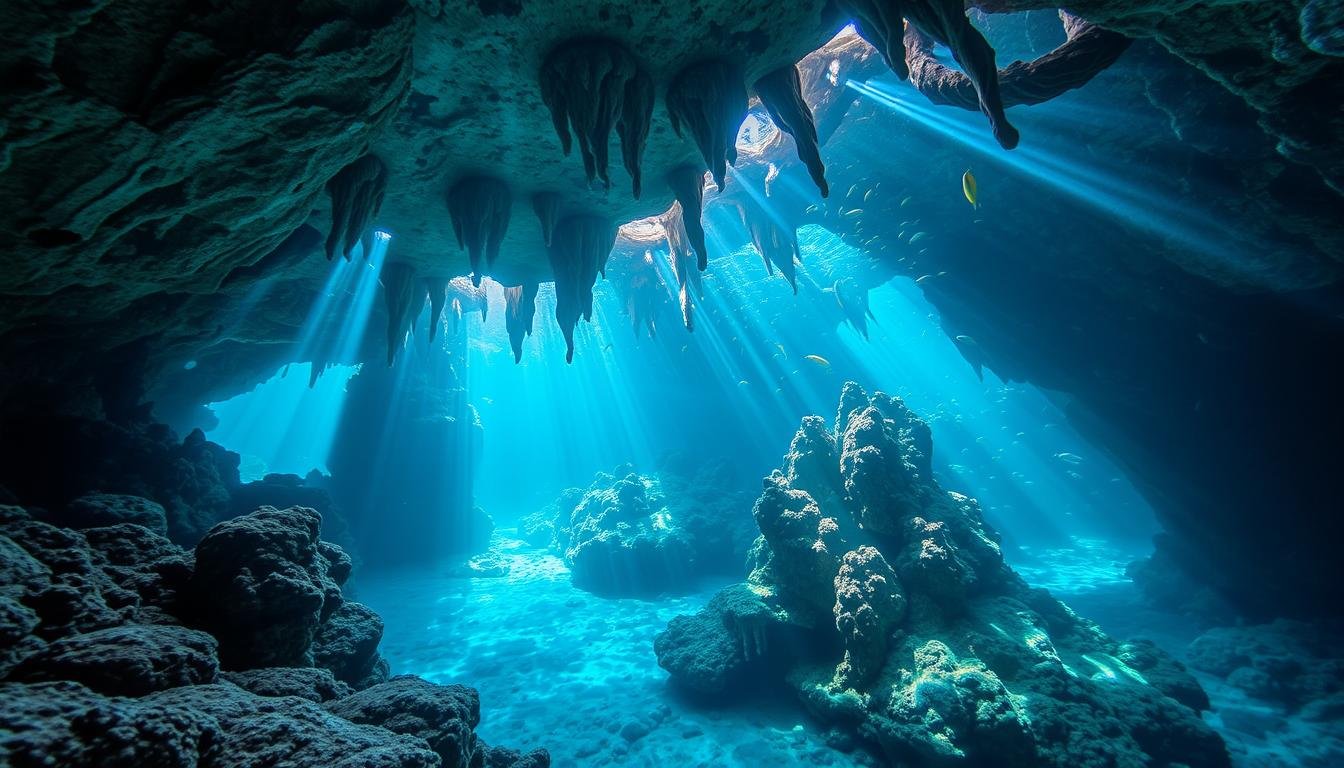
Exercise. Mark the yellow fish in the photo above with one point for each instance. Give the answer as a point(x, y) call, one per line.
point(968, 188)
point(819, 360)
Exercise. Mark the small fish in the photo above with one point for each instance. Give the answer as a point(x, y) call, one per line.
point(743, 383)
point(853, 212)
point(906, 201)
point(819, 360)
point(969, 188)
point(811, 209)
point(1069, 458)
point(922, 279)
point(869, 194)
point(852, 189)
point(607, 348)
point(915, 238)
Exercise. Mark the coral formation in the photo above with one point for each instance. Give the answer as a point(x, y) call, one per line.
point(632, 534)
point(117, 626)
point(915, 636)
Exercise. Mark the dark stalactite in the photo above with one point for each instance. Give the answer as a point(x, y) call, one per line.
point(399, 293)
point(580, 247)
point(520, 308)
point(709, 100)
point(592, 86)
point(778, 245)
point(1087, 51)
point(688, 276)
point(688, 185)
point(437, 288)
point(781, 92)
point(480, 208)
point(880, 23)
point(356, 195)
point(547, 207)
point(633, 127)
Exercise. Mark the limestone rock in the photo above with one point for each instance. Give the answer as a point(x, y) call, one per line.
point(133, 660)
point(444, 716)
point(315, 684)
point(261, 587)
point(104, 509)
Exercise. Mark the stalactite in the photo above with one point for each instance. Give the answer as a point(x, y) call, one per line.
point(399, 292)
point(547, 207)
point(520, 308)
point(633, 127)
point(437, 288)
point(356, 195)
point(709, 100)
point(1086, 52)
point(688, 276)
point(480, 207)
point(880, 23)
point(590, 87)
point(777, 245)
point(688, 185)
point(581, 244)
point(781, 92)
point(643, 288)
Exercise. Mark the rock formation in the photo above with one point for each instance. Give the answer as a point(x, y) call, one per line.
point(629, 534)
point(118, 627)
point(883, 601)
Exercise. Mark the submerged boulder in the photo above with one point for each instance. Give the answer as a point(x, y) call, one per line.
point(633, 534)
point(103, 509)
point(262, 587)
point(905, 629)
point(132, 660)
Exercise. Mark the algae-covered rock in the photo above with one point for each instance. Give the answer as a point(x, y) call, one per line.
point(912, 635)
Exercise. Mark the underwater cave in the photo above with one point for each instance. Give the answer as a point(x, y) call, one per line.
point(526, 383)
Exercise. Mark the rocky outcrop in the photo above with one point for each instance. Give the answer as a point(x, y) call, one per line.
point(909, 630)
point(131, 660)
point(632, 534)
point(98, 667)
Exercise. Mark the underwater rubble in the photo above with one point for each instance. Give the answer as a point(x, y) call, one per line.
point(124, 649)
point(629, 534)
point(884, 603)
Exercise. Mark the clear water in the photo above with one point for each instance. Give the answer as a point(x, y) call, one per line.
point(561, 668)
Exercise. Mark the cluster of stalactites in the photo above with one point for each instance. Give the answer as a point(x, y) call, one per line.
point(578, 253)
point(520, 308)
point(777, 243)
point(882, 23)
point(592, 86)
point(683, 264)
point(466, 296)
point(356, 195)
point(688, 186)
point(708, 100)
point(781, 91)
point(480, 208)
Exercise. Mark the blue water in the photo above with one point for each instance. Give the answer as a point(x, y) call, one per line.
point(565, 669)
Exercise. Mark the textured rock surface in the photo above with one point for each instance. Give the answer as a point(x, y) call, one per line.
point(633, 534)
point(918, 638)
point(104, 509)
point(311, 683)
point(443, 715)
point(266, 587)
point(95, 668)
point(134, 660)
